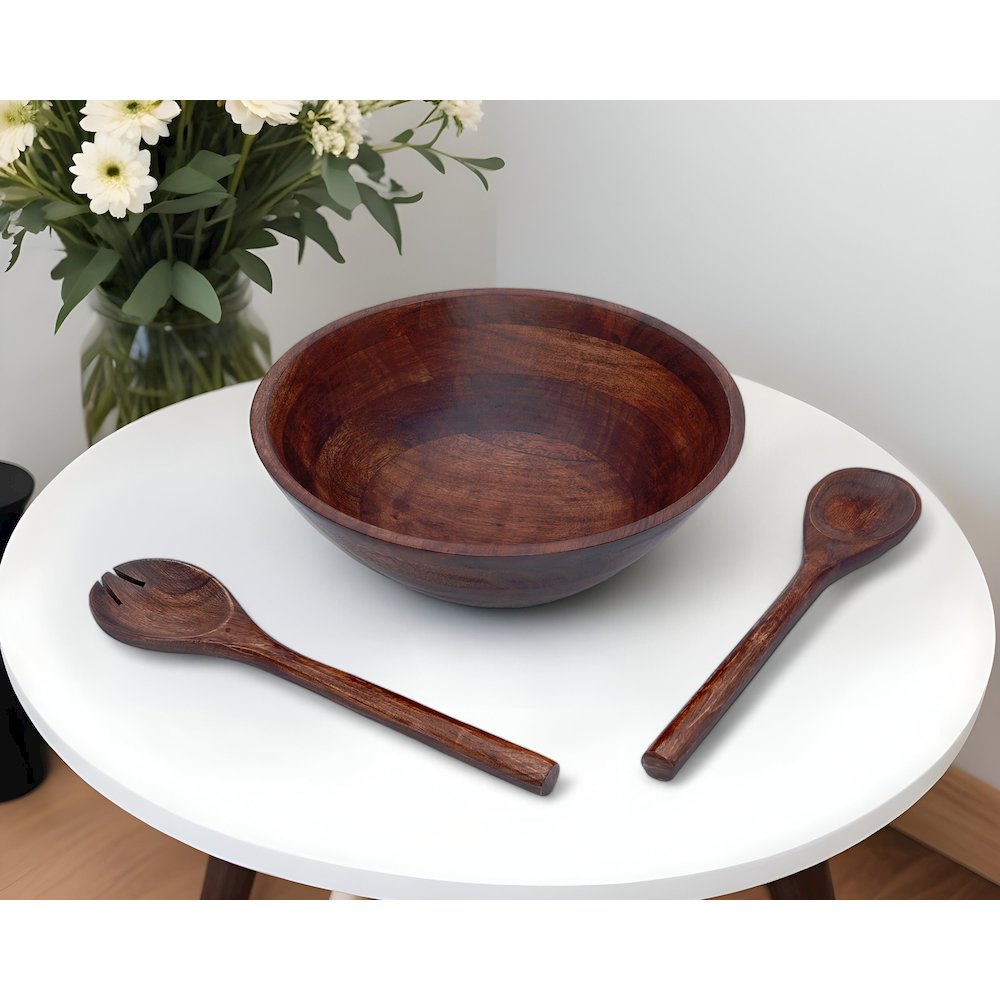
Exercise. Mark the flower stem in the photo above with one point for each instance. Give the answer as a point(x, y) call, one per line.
point(260, 213)
point(184, 130)
point(423, 145)
point(233, 184)
point(196, 246)
point(264, 147)
point(168, 238)
point(238, 172)
point(26, 173)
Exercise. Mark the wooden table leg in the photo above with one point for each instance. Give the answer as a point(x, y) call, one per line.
point(813, 883)
point(224, 880)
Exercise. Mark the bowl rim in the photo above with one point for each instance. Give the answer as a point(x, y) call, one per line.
point(261, 406)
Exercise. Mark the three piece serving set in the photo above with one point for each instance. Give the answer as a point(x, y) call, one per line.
point(501, 448)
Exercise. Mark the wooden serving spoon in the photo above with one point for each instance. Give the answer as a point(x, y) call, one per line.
point(175, 607)
point(852, 517)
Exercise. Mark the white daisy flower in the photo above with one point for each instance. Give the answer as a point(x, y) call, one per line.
point(462, 114)
point(114, 175)
point(335, 128)
point(251, 116)
point(130, 120)
point(17, 129)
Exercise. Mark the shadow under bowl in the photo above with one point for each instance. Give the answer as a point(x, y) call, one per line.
point(497, 447)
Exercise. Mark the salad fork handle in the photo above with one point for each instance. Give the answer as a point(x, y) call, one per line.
point(496, 756)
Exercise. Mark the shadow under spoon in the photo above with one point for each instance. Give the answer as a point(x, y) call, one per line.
point(174, 607)
point(852, 517)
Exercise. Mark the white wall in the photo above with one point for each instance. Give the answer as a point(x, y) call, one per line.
point(848, 254)
point(845, 253)
point(447, 243)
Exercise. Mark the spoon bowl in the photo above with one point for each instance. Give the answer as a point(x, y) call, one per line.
point(854, 515)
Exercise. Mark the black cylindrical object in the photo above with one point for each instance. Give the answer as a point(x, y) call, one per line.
point(23, 756)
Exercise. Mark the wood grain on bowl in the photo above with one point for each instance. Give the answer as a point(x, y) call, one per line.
point(497, 447)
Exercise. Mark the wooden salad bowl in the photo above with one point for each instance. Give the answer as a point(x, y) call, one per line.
point(497, 447)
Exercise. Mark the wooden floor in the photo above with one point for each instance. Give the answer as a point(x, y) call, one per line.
point(64, 841)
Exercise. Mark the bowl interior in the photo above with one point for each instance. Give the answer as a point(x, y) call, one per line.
point(498, 418)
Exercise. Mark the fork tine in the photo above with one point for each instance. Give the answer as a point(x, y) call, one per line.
point(165, 576)
point(101, 600)
point(119, 587)
point(135, 571)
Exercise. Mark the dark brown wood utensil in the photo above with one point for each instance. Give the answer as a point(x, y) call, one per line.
point(175, 607)
point(852, 517)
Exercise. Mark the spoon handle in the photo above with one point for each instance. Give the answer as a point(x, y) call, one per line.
point(668, 752)
point(496, 756)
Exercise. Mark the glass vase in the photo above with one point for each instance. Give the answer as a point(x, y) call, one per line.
point(130, 368)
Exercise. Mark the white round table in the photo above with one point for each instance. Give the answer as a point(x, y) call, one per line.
point(851, 721)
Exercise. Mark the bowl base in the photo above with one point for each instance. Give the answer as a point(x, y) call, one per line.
point(497, 486)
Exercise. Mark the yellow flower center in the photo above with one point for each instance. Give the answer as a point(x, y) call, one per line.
point(136, 108)
point(17, 114)
point(114, 174)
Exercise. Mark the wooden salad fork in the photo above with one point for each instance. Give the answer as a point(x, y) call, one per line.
point(174, 607)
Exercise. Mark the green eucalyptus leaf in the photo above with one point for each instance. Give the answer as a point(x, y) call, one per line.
point(290, 227)
point(194, 290)
point(383, 212)
point(407, 199)
point(342, 212)
point(315, 189)
point(253, 267)
point(56, 210)
point(370, 162)
point(432, 158)
point(112, 231)
point(133, 221)
point(488, 163)
point(318, 195)
point(78, 262)
point(32, 216)
point(404, 136)
point(481, 176)
point(315, 227)
point(150, 295)
point(17, 193)
point(187, 180)
point(340, 185)
point(298, 166)
point(213, 165)
point(261, 238)
point(75, 259)
point(16, 240)
point(175, 206)
point(84, 281)
point(224, 211)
